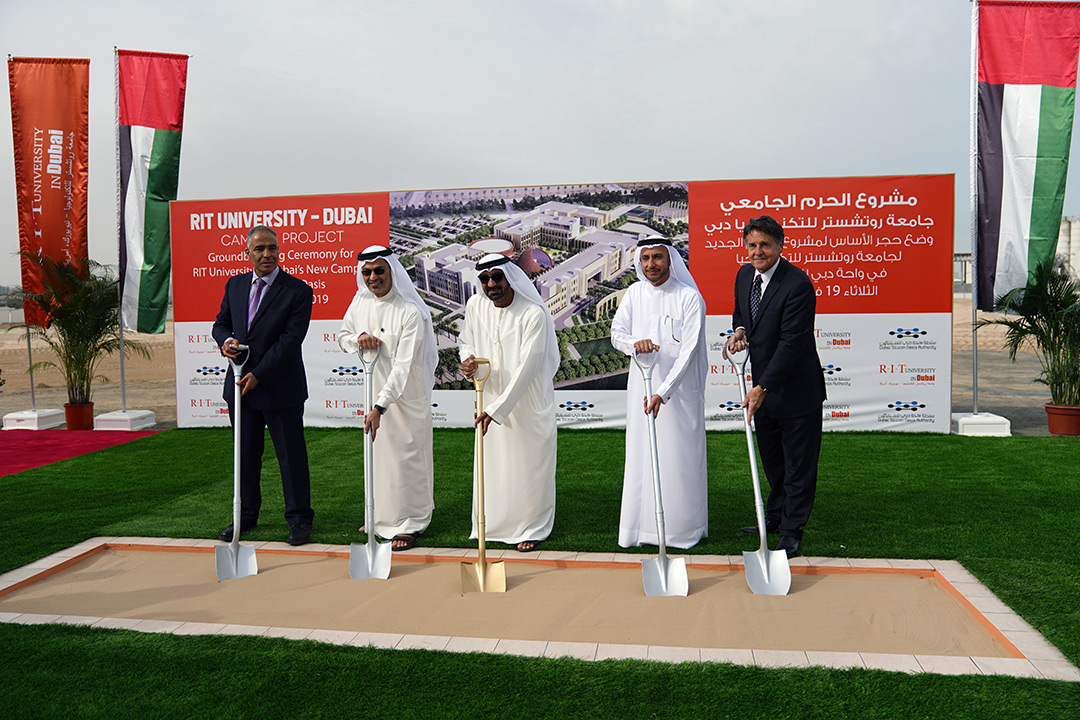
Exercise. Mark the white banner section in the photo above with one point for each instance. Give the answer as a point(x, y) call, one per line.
point(882, 372)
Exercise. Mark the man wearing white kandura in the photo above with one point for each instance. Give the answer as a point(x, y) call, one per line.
point(389, 314)
point(510, 325)
point(664, 313)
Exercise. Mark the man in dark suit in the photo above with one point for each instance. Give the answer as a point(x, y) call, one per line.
point(269, 311)
point(774, 316)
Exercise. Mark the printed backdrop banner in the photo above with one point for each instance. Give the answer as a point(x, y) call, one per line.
point(879, 252)
point(49, 125)
point(878, 249)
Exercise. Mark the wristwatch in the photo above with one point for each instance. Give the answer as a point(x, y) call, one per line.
point(381, 409)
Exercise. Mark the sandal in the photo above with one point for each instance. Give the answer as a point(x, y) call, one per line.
point(408, 538)
point(535, 546)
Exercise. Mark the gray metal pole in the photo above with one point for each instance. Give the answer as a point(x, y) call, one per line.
point(30, 368)
point(974, 224)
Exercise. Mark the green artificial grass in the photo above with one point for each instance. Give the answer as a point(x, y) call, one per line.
point(146, 675)
point(1004, 507)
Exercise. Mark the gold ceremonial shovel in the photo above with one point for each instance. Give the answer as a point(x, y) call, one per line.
point(481, 576)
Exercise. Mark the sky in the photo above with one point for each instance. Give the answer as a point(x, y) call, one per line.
point(287, 98)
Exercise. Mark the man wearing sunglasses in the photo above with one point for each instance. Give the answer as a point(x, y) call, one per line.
point(663, 313)
point(269, 311)
point(387, 313)
point(510, 325)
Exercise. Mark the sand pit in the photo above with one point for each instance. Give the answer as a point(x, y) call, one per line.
point(898, 615)
point(851, 612)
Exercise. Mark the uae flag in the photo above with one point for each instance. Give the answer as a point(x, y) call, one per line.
point(1027, 56)
point(150, 119)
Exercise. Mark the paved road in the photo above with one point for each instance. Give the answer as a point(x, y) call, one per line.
point(1005, 388)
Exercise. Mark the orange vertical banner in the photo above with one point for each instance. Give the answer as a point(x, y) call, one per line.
point(50, 113)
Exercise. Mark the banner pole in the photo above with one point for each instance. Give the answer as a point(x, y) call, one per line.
point(120, 284)
point(30, 369)
point(974, 221)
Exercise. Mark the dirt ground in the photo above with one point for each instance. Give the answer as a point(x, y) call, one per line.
point(1005, 388)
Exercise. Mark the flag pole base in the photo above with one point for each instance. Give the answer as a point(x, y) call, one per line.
point(985, 424)
point(125, 420)
point(34, 419)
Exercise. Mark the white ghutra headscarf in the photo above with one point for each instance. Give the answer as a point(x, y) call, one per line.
point(402, 285)
point(679, 271)
point(522, 286)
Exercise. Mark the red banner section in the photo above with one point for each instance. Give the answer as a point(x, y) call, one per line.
point(318, 236)
point(49, 125)
point(151, 89)
point(870, 244)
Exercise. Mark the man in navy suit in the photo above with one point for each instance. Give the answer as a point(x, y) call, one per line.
point(269, 311)
point(774, 315)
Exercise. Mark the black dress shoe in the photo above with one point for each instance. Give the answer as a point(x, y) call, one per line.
point(769, 528)
point(226, 534)
point(789, 544)
point(299, 534)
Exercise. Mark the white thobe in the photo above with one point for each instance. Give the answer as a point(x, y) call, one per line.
point(673, 317)
point(519, 447)
point(401, 452)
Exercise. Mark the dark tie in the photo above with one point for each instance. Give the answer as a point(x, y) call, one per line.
point(755, 298)
point(253, 304)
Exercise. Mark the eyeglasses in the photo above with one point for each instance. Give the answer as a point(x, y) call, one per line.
point(497, 276)
point(367, 271)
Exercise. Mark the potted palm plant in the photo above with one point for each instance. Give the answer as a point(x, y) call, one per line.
point(80, 298)
point(1046, 316)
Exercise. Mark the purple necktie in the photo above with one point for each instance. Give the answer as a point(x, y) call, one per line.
point(253, 304)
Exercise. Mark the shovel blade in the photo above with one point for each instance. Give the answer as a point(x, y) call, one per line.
point(767, 572)
point(665, 577)
point(369, 561)
point(230, 566)
point(483, 577)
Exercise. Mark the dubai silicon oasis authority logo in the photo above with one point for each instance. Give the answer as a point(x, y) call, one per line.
point(437, 415)
point(902, 406)
point(574, 411)
point(345, 375)
point(723, 336)
point(906, 411)
point(728, 411)
point(835, 376)
point(912, 338)
point(208, 375)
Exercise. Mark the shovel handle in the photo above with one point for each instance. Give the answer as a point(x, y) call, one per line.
point(238, 369)
point(759, 506)
point(480, 381)
point(366, 360)
point(661, 532)
point(369, 452)
point(481, 518)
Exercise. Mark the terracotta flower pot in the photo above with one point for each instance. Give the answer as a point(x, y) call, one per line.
point(1063, 419)
point(79, 417)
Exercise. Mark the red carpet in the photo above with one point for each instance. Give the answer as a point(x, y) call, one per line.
point(24, 449)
